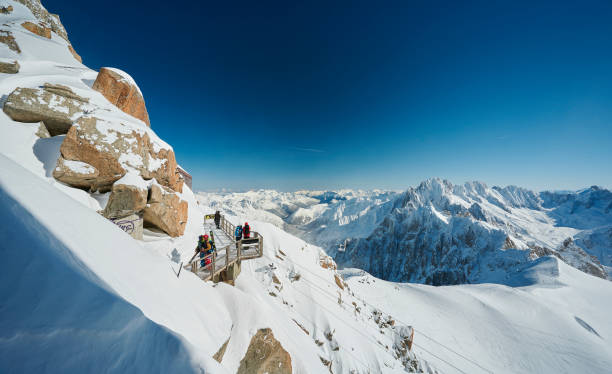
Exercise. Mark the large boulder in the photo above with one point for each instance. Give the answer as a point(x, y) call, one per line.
point(125, 204)
point(37, 29)
point(6, 37)
point(53, 104)
point(265, 355)
point(9, 67)
point(114, 147)
point(166, 211)
point(75, 173)
point(128, 196)
point(121, 90)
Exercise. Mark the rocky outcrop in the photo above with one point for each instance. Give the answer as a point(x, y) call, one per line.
point(6, 37)
point(74, 53)
point(125, 199)
point(265, 355)
point(578, 258)
point(9, 67)
point(221, 352)
point(53, 104)
point(339, 281)
point(121, 90)
point(75, 173)
point(166, 211)
point(113, 147)
point(48, 20)
point(47, 23)
point(6, 9)
point(37, 29)
point(125, 204)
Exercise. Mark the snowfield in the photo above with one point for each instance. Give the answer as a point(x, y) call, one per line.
point(79, 295)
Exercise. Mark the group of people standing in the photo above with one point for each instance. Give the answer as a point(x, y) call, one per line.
point(242, 232)
point(206, 244)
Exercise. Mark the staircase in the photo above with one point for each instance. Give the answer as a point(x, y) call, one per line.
point(225, 261)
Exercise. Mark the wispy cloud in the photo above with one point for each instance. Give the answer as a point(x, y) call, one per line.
point(313, 150)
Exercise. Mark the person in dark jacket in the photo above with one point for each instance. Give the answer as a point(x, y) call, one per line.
point(217, 218)
point(204, 248)
point(246, 231)
point(238, 232)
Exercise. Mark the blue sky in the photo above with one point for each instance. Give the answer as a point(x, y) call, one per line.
point(366, 94)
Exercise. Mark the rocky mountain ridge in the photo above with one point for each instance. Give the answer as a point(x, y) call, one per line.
point(440, 233)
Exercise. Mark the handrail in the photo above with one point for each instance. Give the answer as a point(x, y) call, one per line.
point(239, 248)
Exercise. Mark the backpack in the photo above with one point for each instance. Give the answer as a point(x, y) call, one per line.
point(238, 232)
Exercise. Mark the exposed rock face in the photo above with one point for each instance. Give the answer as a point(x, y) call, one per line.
point(9, 67)
point(74, 53)
point(113, 147)
point(7, 38)
point(51, 21)
point(125, 200)
point(338, 281)
point(166, 211)
point(75, 173)
point(55, 105)
point(578, 258)
point(39, 30)
point(265, 355)
point(221, 352)
point(121, 90)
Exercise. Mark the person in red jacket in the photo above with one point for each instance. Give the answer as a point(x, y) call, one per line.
point(246, 230)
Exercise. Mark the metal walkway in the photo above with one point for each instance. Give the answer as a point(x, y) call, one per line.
point(229, 251)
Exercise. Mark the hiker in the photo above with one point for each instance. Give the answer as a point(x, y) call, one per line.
point(217, 219)
point(238, 232)
point(204, 248)
point(246, 230)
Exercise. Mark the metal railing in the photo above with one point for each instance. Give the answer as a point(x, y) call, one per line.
point(222, 258)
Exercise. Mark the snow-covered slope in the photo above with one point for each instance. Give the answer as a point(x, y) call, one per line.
point(80, 295)
point(554, 320)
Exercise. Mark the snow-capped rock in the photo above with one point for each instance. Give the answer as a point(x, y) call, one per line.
point(121, 90)
point(53, 104)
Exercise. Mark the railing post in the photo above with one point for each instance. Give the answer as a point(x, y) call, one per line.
point(214, 259)
point(227, 255)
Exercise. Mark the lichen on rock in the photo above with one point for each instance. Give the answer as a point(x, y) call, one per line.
point(55, 105)
point(121, 90)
